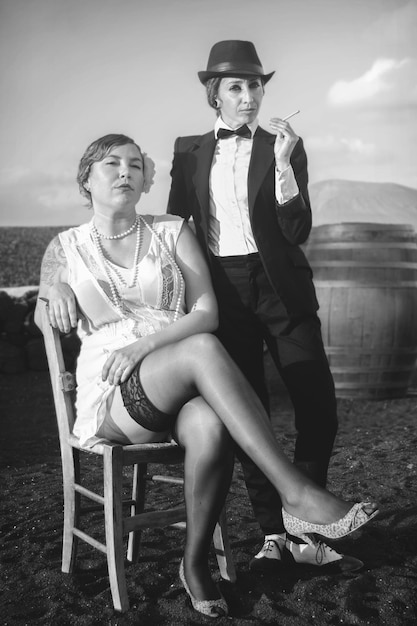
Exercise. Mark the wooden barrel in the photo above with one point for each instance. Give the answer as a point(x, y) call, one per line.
point(366, 282)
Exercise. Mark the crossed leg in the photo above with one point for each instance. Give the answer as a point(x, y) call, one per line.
point(199, 366)
point(208, 472)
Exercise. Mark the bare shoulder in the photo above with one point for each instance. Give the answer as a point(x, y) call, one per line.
point(166, 221)
point(188, 245)
point(162, 218)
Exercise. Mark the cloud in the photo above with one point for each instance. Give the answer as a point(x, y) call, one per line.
point(394, 30)
point(34, 197)
point(355, 145)
point(47, 189)
point(342, 146)
point(30, 197)
point(347, 157)
point(384, 82)
point(10, 176)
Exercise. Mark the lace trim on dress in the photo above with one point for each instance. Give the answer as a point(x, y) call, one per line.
point(168, 287)
point(88, 259)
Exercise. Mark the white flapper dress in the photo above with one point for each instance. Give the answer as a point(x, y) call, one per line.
point(151, 304)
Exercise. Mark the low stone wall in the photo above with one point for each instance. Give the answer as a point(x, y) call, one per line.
point(21, 341)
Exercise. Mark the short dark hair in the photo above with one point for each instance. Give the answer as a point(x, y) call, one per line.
point(212, 89)
point(96, 151)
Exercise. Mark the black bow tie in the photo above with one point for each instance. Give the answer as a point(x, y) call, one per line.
point(243, 131)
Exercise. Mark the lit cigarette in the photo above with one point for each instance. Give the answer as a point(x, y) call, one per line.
point(290, 115)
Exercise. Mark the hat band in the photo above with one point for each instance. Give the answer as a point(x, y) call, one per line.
point(246, 68)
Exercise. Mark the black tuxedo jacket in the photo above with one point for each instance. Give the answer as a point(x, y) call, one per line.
point(278, 229)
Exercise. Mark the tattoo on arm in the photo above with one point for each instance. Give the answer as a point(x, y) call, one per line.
point(53, 262)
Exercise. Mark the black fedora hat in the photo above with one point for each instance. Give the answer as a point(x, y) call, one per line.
point(233, 58)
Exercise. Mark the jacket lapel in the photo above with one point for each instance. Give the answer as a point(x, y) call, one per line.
point(204, 157)
point(261, 160)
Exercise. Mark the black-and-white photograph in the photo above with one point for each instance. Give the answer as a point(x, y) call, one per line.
point(208, 312)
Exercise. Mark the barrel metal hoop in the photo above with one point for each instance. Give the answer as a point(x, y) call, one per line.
point(364, 245)
point(342, 350)
point(404, 284)
point(346, 369)
point(368, 386)
point(362, 264)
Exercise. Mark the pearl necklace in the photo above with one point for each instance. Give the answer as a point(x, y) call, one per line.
point(116, 298)
point(121, 235)
point(135, 267)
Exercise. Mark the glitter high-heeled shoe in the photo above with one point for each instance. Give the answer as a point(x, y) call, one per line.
point(354, 519)
point(212, 608)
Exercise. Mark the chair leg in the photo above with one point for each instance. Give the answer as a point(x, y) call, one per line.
point(223, 550)
point(138, 506)
point(113, 468)
point(71, 474)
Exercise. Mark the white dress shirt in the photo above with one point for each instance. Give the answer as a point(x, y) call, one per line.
point(230, 231)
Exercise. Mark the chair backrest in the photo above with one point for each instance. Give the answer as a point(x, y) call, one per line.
point(63, 382)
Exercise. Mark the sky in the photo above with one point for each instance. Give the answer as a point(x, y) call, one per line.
point(74, 70)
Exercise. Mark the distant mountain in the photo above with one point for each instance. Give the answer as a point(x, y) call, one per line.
point(335, 201)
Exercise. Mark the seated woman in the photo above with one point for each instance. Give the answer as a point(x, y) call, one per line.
point(149, 368)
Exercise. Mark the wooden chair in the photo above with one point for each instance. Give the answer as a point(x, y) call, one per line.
point(115, 458)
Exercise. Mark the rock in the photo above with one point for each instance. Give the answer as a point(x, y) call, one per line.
point(12, 358)
point(30, 327)
point(6, 306)
point(36, 355)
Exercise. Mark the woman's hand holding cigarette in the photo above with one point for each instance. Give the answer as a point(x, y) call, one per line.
point(285, 141)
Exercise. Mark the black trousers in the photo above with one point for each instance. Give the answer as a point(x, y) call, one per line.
point(250, 314)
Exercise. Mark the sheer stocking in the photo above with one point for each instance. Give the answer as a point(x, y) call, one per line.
point(207, 471)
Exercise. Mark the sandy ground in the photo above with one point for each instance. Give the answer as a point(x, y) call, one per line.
point(375, 456)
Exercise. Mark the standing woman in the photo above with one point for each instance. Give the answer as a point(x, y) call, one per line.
point(149, 367)
point(245, 189)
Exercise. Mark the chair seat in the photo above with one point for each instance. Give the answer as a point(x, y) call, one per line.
point(160, 450)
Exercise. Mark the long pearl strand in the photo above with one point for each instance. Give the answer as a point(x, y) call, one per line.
point(135, 268)
point(116, 298)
